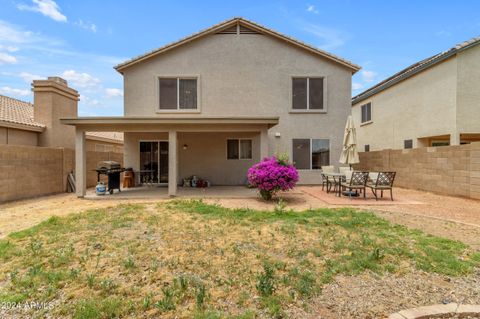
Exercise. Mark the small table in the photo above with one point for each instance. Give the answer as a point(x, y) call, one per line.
point(337, 177)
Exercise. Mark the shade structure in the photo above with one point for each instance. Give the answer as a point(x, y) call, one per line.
point(349, 152)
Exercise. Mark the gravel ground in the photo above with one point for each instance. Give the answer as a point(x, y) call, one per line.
point(371, 296)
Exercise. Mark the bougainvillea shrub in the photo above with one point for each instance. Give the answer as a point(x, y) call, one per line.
point(272, 175)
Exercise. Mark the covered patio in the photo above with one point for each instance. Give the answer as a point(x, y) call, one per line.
point(203, 146)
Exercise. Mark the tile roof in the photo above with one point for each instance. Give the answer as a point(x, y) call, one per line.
point(115, 136)
point(244, 22)
point(17, 112)
point(414, 69)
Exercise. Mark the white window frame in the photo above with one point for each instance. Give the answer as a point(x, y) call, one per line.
point(239, 149)
point(310, 158)
point(178, 78)
point(308, 109)
point(371, 114)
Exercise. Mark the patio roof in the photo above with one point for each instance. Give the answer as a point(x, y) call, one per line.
point(152, 123)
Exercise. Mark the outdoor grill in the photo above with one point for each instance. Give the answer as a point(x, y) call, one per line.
point(112, 170)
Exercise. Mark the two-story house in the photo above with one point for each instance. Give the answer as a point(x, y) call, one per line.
point(218, 101)
point(434, 102)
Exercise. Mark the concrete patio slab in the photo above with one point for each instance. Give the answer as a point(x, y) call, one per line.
point(161, 192)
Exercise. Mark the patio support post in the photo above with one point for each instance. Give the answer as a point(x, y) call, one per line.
point(80, 163)
point(455, 138)
point(172, 163)
point(263, 143)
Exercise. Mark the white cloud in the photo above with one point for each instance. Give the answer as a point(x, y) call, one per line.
point(311, 8)
point(15, 92)
point(6, 58)
point(12, 34)
point(357, 86)
point(368, 76)
point(112, 92)
point(331, 38)
point(48, 8)
point(29, 77)
point(86, 25)
point(8, 48)
point(80, 80)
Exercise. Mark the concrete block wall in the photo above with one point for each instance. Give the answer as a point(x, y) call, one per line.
point(450, 170)
point(30, 171)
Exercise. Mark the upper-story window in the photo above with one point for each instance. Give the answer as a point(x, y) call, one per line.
point(308, 93)
point(366, 112)
point(178, 93)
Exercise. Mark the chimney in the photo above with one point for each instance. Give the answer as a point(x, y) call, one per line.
point(53, 100)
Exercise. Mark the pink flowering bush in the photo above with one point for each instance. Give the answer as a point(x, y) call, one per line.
point(272, 175)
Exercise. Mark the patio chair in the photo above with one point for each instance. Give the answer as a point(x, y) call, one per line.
point(326, 169)
point(383, 182)
point(357, 183)
point(347, 171)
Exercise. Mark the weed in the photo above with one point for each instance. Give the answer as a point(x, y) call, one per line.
point(129, 263)
point(166, 303)
point(266, 281)
point(200, 296)
point(91, 280)
point(147, 301)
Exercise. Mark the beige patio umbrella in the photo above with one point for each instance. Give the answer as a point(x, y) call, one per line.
point(349, 153)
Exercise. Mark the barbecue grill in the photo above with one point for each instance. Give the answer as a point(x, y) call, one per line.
point(112, 170)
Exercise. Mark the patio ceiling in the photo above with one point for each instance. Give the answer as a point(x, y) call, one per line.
point(126, 124)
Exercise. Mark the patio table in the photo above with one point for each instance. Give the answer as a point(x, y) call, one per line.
point(336, 179)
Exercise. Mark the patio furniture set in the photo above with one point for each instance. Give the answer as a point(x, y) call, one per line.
point(350, 183)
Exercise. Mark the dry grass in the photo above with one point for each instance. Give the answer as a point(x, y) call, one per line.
point(189, 259)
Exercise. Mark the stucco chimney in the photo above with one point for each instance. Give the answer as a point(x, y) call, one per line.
point(53, 100)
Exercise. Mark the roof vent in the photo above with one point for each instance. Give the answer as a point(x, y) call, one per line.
point(238, 29)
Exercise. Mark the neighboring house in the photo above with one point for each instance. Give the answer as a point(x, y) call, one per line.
point(38, 124)
point(433, 102)
point(216, 102)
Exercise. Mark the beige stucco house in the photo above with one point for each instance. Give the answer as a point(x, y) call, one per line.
point(433, 102)
point(216, 102)
point(38, 124)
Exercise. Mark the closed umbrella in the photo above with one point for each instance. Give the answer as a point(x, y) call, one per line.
point(349, 153)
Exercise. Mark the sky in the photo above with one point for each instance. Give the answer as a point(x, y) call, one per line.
point(82, 41)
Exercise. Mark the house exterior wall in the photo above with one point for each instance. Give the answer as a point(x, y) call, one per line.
point(468, 92)
point(205, 155)
point(18, 137)
point(421, 106)
point(247, 75)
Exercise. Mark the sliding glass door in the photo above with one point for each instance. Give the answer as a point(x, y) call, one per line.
point(154, 162)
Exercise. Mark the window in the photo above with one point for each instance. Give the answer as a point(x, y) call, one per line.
point(366, 112)
point(239, 149)
point(308, 93)
point(367, 148)
point(311, 153)
point(178, 94)
point(408, 144)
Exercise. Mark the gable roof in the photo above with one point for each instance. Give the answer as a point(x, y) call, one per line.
point(242, 23)
point(16, 113)
point(414, 69)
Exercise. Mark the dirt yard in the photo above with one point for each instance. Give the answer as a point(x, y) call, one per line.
point(450, 217)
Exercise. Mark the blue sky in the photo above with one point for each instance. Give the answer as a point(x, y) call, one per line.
point(82, 40)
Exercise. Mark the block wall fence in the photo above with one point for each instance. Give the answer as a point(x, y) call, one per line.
point(449, 170)
point(30, 171)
